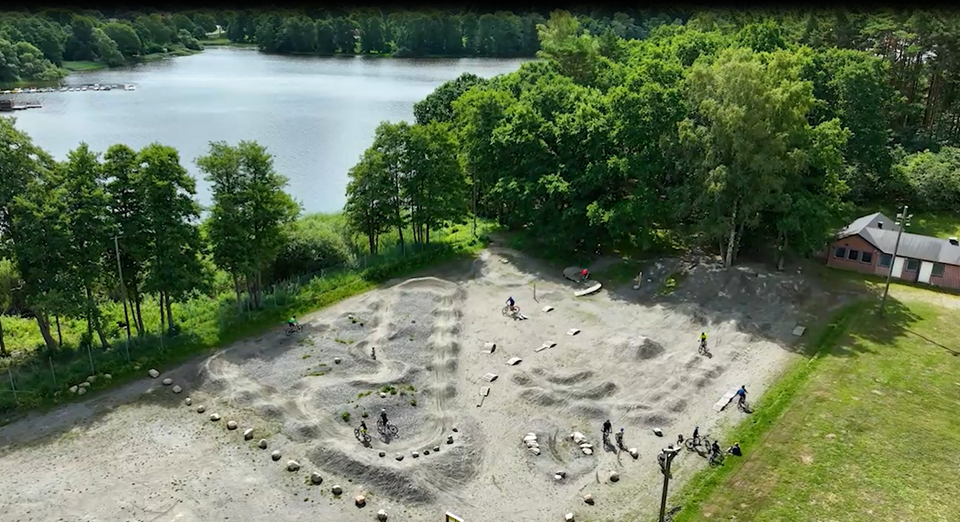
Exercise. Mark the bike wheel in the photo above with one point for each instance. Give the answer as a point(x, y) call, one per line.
point(505, 311)
point(393, 429)
point(690, 444)
point(356, 433)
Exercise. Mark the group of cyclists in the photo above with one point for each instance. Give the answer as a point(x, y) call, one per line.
point(713, 450)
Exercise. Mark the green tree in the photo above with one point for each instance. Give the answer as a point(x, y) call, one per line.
point(372, 37)
point(370, 207)
point(129, 221)
point(250, 211)
point(89, 229)
point(106, 49)
point(433, 184)
point(9, 284)
point(170, 215)
point(562, 41)
point(345, 35)
point(326, 44)
point(126, 38)
point(438, 105)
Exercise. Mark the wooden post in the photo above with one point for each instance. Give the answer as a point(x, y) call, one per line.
point(52, 371)
point(13, 386)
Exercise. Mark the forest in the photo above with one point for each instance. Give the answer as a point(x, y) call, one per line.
point(734, 132)
point(742, 133)
point(37, 45)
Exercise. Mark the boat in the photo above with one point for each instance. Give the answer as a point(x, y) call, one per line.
point(64, 89)
point(129, 87)
point(83, 88)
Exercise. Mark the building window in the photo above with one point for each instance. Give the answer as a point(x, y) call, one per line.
point(866, 257)
point(840, 252)
point(937, 270)
point(853, 255)
point(912, 265)
point(885, 260)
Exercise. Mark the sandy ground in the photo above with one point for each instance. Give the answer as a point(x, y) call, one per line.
point(140, 453)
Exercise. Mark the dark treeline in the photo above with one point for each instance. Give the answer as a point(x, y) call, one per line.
point(736, 131)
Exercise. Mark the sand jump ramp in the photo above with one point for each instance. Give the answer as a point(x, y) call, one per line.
point(725, 400)
point(588, 291)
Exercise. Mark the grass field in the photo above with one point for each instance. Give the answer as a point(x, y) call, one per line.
point(83, 66)
point(865, 430)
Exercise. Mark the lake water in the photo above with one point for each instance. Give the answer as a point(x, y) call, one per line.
point(315, 115)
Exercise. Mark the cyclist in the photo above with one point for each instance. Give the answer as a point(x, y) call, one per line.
point(363, 427)
point(696, 433)
point(742, 395)
point(715, 449)
point(383, 417)
point(511, 304)
point(703, 340)
point(584, 274)
point(292, 322)
point(620, 438)
point(606, 428)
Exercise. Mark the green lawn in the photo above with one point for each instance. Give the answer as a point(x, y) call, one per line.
point(83, 66)
point(220, 42)
point(867, 430)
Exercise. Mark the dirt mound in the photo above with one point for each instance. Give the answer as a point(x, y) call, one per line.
point(569, 378)
point(541, 397)
point(395, 483)
point(638, 348)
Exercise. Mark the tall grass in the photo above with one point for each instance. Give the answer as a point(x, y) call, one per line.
point(42, 378)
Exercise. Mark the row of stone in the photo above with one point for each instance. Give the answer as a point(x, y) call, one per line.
point(292, 465)
point(81, 388)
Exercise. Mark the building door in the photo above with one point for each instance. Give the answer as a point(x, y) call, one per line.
point(926, 268)
point(898, 267)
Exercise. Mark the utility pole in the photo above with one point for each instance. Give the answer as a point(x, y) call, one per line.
point(903, 221)
point(665, 458)
point(123, 290)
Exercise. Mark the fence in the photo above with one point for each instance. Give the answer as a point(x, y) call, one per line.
point(38, 376)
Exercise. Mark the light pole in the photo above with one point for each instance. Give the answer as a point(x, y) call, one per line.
point(123, 290)
point(665, 458)
point(903, 221)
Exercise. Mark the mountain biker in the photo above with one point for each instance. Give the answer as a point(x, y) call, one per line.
point(715, 448)
point(696, 433)
point(363, 427)
point(703, 339)
point(584, 274)
point(620, 438)
point(742, 395)
point(292, 321)
point(383, 416)
point(511, 303)
point(606, 428)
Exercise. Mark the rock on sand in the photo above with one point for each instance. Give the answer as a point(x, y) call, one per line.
point(177, 389)
point(248, 434)
point(382, 515)
point(231, 425)
point(168, 381)
point(215, 417)
point(73, 389)
point(262, 444)
point(293, 465)
point(360, 500)
point(633, 452)
point(588, 498)
point(81, 391)
point(201, 409)
point(188, 401)
point(154, 373)
point(336, 489)
point(315, 478)
point(275, 455)
point(614, 476)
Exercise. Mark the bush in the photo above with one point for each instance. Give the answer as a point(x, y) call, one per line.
point(314, 243)
point(345, 416)
point(934, 178)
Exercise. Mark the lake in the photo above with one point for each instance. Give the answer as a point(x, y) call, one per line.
point(315, 115)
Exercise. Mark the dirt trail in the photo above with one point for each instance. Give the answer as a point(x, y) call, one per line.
point(139, 453)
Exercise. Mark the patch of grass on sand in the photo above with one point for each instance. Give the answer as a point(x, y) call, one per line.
point(81, 66)
point(392, 390)
point(863, 431)
point(672, 282)
point(619, 273)
point(345, 416)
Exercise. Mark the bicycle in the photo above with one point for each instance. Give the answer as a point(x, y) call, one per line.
point(294, 328)
point(743, 406)
point(510, 310)
point(693, 442)
point(362, 436)
point(702, 349)
point(386, 429)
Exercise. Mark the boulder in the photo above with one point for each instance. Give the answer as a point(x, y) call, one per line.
point(535, 451)
point(275, 455)
point(293, 465)
point(586, 445)
point(454, 429)
point(399, 456)
point(188, 401)
point(568, 517)
point(587, 451)
point(578, 437)
point(201, 409)
point(73, 389)
point(315, 478)
point(415, 454)
point(450, 439)
point(658, 432)
point(107, 376)
point(81, 391)
point(383, 395)
point(634, 453)
point(336, 360)
point(215, 417)
point(561, 473)
point(248, 434)
point(177, 389)
point(336, 489)
point(154, 373)
point(262, 444)
point(92, 378)
point(231, 425)
point(167, 382)
point(426, 452)
point(382, 515)
point(84, 384)
point(530, 437)
point(360, 500)
point(557, 477)
point(383, 454)
point(614, 476)
point(588, 498)
point(436, 449)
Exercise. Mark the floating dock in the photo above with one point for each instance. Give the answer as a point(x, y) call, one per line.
point(9, 106)
point(96, 87)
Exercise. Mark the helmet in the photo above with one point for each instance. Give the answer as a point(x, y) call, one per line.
point(621, 430)
point(383, 410)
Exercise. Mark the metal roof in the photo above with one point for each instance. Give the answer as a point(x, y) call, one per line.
point(914, 246)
